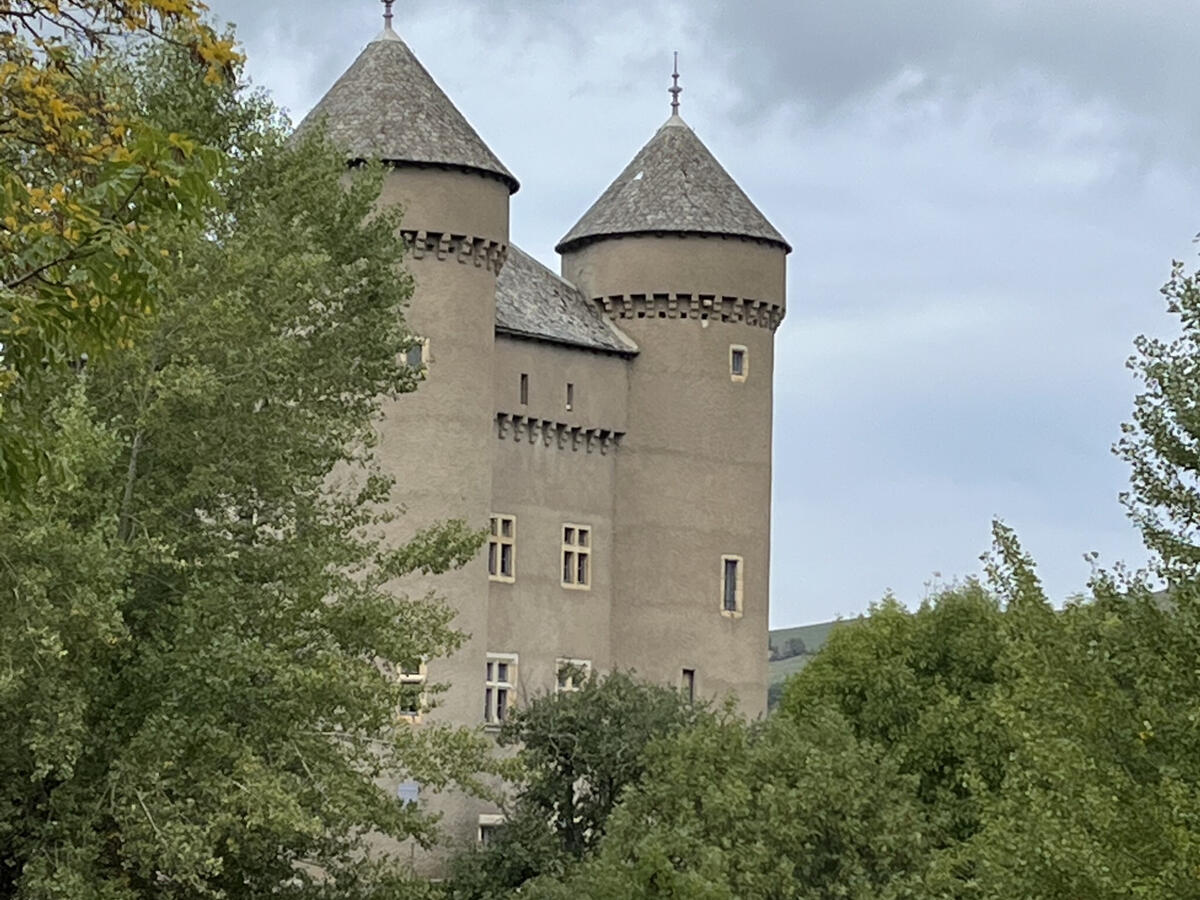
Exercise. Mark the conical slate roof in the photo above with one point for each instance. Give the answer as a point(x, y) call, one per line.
point(388, 107)
point(674, 185)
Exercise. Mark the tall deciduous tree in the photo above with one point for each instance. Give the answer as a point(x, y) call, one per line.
point(89, 194)
point(196, 631)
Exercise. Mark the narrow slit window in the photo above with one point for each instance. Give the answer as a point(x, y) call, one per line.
point(570, 396)
point(731, 586)
point(502, 548)
point(524, 389)
point(688, 684)
point(577, 556)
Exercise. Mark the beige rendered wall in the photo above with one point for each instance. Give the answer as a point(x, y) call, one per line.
point(437, 442)
point(694, 474)
point(548, 486)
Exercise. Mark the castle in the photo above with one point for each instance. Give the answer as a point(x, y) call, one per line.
point(611, 425)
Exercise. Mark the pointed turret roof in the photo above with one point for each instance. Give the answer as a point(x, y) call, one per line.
point(388, 107)
point(673, 186)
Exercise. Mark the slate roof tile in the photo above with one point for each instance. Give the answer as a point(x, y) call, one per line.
point(531, 301)
point(387, 106)
point(673, 185)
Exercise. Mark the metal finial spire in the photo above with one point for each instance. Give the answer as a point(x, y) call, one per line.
point(387, 14)
point(675, 90)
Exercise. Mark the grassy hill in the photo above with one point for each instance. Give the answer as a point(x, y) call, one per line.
point(791, 649)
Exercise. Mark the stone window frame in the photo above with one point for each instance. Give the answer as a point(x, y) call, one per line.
point(575, 550)
point(419, 676)
point(577, 671)
point(734, 350)
point(738, 587)
point(498, 692)
point(487, 822)
point(421, 346)
point(498, 541)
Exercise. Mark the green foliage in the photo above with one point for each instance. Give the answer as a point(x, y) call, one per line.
point(196, 629)
point(579, 752)
point(91, 193)
point(1162, 443)
point(985, 746)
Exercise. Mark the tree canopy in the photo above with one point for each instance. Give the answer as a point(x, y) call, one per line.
point(198, 634)
point(91, 194)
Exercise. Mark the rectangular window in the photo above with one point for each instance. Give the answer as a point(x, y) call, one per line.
point(417, 355)
point(412, 678)
point(489, 826)
point(502, 548)
point(739, 362)
point(524, 389)
point(570, 396)
point(731, 586)
point(500, 683)
point(689, 684)
point(572, 673)
point(577, 556)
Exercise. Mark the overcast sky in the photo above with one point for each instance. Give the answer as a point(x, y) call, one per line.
point(984, 197)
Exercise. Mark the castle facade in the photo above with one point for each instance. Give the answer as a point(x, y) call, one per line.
point(611, 425)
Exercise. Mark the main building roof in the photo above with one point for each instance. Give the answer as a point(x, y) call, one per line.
point(533, 302)
point(387, 106)
point(674, 186)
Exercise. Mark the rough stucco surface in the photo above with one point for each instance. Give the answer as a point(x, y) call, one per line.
point(387, 106)
point(531, 301)
point(674, 184)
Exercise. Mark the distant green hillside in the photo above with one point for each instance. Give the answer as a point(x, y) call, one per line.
point(791, 649)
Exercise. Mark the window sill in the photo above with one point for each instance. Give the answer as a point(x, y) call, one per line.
point(731, 613)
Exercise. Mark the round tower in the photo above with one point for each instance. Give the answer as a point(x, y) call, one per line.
point(436, 442)
point(689, 268)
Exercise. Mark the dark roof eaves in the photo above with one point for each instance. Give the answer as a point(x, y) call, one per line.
point(625, 353)
point(503, 177)
point(574, 243)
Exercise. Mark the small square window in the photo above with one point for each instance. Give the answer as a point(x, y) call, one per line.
point(577, 557)
point(489, 827)
point(731, 586)
point(502, 548)
point(739, 362)
point(572, 673)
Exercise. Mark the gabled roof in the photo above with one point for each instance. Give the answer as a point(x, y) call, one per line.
point(533, 302)
point(676, 186)
point(386, 106)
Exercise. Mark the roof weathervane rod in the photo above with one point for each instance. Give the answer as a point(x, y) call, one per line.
point(675, 90)
point(387, 14)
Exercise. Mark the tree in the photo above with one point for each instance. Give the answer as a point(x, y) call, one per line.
point(89, 195)
point(197, 628)
point(777, 809)
point(985, 746)
point(1162, 443)
point(579, 752)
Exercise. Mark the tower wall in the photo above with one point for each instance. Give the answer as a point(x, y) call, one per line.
point(437, 442)
point(694, 471)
